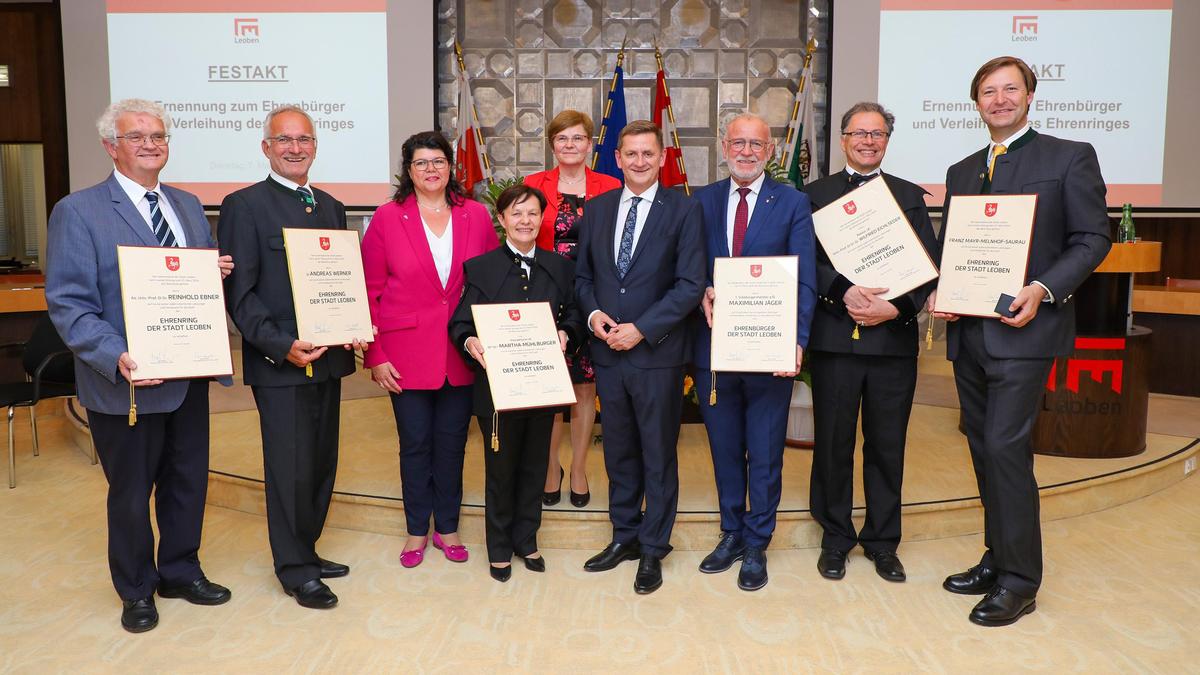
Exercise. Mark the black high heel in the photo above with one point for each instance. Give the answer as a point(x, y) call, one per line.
point(500, 574)
point(537, 564)
point(552, 498)
point(581, 499)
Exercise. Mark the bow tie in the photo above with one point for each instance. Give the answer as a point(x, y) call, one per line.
point(857, 179)
point(517, 257)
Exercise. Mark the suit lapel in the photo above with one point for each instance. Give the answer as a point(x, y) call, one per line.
point(608, 222)
point(130, 214)
point(718, 219)
point(973, 181)
point(762, 213)
point(461, 219)
point(196, 236)
point(415, 230)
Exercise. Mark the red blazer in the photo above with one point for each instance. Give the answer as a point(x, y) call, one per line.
point(547, 182)
point(407, 301)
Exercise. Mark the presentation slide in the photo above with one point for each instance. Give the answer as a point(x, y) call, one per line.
point(1102, 69)
point(219, 73)
point(363, 69)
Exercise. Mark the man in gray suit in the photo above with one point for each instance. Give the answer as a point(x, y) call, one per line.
point(166, 451)
point(1000, 366)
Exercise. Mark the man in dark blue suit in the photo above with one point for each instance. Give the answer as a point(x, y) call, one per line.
point(748, 214)
point(165, 454)
point(640, 275)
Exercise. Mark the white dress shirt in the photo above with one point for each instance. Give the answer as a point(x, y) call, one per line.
point(734, 198)
point(529, 254)
point(442, 249)
point(643, 210)
point(137, 195)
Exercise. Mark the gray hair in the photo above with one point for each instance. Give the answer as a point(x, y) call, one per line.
point(107, 124)
point(868, 107)
point(745, 116)
point(279, 110)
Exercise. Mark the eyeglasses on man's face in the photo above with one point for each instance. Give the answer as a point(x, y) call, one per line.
point(139, 139)
point(739, 144)
point(302, 141)
point(862, 135)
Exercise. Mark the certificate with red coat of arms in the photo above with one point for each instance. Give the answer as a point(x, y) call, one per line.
point(525, 363)
point(985, 251)
point(870, 241)
point(174, 306)
point(754, 314)
point(329, 288)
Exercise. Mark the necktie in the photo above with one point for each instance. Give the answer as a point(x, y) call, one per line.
point(625, 255)
point(741, 218)
point(996, 152)
point(162, 231)
point(306, 197)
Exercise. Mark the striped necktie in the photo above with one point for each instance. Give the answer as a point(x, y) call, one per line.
point(306, 196)
point(162, 231)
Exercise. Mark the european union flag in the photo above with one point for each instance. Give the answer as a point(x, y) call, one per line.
point(605, 160)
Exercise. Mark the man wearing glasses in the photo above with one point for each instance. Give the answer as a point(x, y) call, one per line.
point(166, 451)
point(297, 387)
point(748, 214)
point(863, 352)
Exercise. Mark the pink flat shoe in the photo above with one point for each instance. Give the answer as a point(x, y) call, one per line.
point(414, 557)
point(454, 553)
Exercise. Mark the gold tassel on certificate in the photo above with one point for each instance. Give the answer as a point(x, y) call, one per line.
point(929, 334)
point(854, 335)
point(712, 395)
point(495, 431)
point(132, 406)
point(308, 369)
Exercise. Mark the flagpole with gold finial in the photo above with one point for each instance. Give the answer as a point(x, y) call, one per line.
point(462, 68)
point(789, 138)
point(608, 103)
point(687, 189)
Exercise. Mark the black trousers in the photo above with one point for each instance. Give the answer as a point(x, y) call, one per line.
point(883, 387)
point(641, 409)
point(514, 477)
point(999, 400)
point(167, 454)
point(300, 451)
point(432, 426)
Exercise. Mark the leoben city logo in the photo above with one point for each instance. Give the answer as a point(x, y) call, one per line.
point(324, 243)
point(514, 314)
point(245, 30)
point(1024, 28)
point(173, 263)
point(989, 209)
point(850, 207)
point(756, 271)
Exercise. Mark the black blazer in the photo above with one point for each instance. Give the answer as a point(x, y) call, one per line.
point(258, 294)
point(664, 283)
point(1070, 235)
point(497, 276)
point(832, 325)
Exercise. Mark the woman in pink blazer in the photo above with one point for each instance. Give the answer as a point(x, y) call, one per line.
point(413, 254)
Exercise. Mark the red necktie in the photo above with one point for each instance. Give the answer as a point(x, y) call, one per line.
point(741, 218)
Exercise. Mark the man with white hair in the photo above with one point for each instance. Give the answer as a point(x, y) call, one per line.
point(748, 214)
point(166, 451)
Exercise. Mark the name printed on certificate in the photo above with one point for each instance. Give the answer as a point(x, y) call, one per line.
point(985, 252)
point(174, 308)
point(754, 314)
point(328, 286)
point(525, 363)
point(870, 241)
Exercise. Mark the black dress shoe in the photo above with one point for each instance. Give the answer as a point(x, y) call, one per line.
point(501, 574)
point(580, 500)
point(552, 498)
point(753, 574)
point(649, 575)
point(729, 550)
point(332, 570)
point(975, 581)
point(537, 564)
point(887, 565)
point(612, 555)
point(139, 616)
point(1001, 607)
point(314, 594)
point(199, 592)
point(832, 564)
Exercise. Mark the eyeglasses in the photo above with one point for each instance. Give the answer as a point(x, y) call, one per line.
point(304, 141)
point(138, 139)
point(438, 164)
point(739, 144)
point(860, 134)
point(572, 140)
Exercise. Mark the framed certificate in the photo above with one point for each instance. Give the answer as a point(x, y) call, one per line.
point(754, 314)
point(870, 241)
point(525, 364)
point(174, 308)
point(985, 251)
point(328, 286)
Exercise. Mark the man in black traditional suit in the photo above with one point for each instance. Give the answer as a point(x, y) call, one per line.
point(640, 275)
point(864, 351)
point(297, 387)
point(1000, 366)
